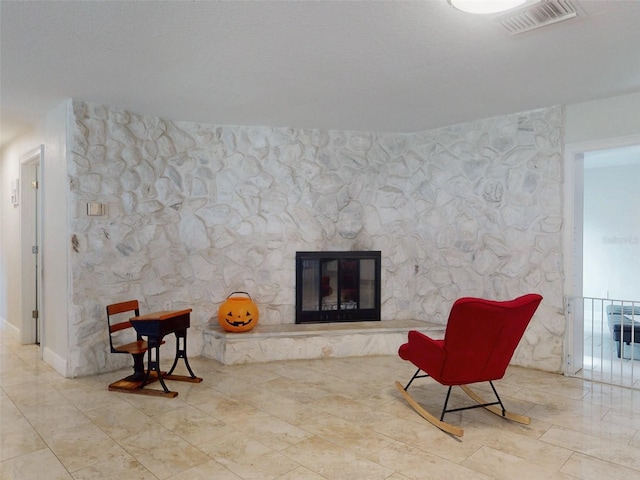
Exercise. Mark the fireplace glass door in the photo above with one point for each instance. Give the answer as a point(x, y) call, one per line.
point(337, 286)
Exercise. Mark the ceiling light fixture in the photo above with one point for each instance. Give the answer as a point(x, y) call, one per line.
point(485, 6)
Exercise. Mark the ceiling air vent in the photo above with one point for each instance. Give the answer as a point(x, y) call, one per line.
point(536, 15)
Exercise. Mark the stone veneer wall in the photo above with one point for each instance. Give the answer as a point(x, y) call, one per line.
point(198, 211)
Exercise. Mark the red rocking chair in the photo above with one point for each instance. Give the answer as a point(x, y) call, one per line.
point(480, 339)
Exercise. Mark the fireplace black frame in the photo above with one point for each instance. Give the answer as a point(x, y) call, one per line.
point(351, 311)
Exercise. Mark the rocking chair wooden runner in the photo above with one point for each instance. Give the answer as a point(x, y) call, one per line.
point(480, 339)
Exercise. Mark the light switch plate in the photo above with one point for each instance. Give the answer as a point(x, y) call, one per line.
point(95, 209)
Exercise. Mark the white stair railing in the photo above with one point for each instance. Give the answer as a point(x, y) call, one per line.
point(611, 349)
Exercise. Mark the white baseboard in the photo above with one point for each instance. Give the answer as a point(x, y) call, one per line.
point(13, 330)
point(55, 360)
point(48, 356)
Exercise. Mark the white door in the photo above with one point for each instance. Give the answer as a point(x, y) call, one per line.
point(30, 245)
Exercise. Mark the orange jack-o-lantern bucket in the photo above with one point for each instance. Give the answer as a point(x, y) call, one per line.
point(238, 314)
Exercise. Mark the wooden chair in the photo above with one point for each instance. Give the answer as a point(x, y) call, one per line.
point(480, 339)
point(136, 348)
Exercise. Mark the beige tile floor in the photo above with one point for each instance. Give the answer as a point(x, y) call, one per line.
point(305, 420)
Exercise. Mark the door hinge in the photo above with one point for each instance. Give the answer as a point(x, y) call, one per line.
point(34, 249)
point(34, 184)
point(34, 314)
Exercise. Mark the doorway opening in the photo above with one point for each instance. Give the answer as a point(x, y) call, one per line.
point(604, 278)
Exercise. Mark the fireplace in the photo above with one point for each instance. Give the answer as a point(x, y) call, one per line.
point(337, 286)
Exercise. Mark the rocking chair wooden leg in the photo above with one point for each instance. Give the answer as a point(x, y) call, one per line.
point(444, 426)
point(514, 417)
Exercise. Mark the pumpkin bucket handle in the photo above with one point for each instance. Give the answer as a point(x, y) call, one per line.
point(233, 293)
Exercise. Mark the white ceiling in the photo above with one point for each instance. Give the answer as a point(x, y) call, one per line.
point(400, 66)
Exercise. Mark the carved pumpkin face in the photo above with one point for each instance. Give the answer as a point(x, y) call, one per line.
point(238, 314)
point(239, 320)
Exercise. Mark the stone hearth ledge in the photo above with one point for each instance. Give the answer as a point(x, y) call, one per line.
point(267, 343)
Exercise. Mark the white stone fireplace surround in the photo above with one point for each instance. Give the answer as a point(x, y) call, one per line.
point(195, 212)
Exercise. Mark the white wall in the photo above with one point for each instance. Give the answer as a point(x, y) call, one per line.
point(197, 211)
point(602, 119)
point(590, 126)
point(51, 132)
point(56, 239)
point(609, 118)
point(612, 232)
point(10, 278)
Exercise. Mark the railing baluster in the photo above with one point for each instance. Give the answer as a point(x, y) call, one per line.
point(608, 368)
